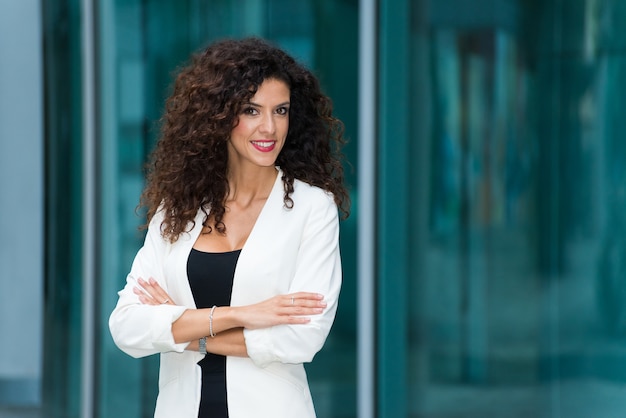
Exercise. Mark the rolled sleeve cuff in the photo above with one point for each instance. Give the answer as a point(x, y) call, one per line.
point(260, 347)
point(141, 330)
point(163, 337)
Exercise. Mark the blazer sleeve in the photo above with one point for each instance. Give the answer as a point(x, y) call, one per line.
point(141, 330)
point(318, 269)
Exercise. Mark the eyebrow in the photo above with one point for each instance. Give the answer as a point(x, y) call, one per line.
point(278, 105)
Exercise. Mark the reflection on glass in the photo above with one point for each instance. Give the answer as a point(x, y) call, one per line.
point(521, 282)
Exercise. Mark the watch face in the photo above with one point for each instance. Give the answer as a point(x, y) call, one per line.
point(202, 345)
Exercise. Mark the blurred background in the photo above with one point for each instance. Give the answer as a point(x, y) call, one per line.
point(485, 258)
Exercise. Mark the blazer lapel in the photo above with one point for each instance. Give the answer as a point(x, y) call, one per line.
point(181, 291)
point(264, 227)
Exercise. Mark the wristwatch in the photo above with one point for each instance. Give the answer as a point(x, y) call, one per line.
point(202, 345)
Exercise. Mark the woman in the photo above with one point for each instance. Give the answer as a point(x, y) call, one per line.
point(236, 285)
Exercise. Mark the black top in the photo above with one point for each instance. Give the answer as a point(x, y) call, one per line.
point(211, 280)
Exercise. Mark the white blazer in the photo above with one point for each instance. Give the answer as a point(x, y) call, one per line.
point(288, 250)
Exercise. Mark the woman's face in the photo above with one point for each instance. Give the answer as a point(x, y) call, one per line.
point(262, 127)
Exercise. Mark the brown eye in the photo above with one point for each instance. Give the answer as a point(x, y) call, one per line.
point(282, 110)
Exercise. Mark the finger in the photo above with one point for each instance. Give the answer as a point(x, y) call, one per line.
point(151, 285)
point(297, 320)
point(155, 291)
point(297, 298)
point(149, 300)
point(303, 310)
point(147, 288)
point(146, 300)
point(154, 284)
point(159, 294)
point(293, 301)
point(306, 295)
point(142, 294)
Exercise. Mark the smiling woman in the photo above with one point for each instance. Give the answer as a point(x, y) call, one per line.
point(240, 272)
point(262, 127)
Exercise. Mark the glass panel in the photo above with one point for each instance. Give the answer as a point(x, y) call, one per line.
point(141, 44)
point(334, 44)
point(22, 221)
point(124, 132)
point(514, 294)
point(63, 147)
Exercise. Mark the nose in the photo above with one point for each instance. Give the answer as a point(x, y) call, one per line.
point(268, 124)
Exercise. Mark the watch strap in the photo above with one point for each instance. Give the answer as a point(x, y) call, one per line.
point(202, 345)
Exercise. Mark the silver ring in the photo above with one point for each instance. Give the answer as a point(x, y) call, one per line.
point(165, 301)
point(292, 298)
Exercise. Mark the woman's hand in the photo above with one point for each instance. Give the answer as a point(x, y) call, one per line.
point(151, 293)
point(292, 308)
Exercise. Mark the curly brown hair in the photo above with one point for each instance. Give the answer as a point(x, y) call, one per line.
point(188, 167)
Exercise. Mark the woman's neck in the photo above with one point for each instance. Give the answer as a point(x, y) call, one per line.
point(248, 185)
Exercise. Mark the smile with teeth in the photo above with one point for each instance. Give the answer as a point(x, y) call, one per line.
point(264, 146)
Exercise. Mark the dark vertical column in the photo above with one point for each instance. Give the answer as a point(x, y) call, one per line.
point(395, 111)
point(420, 169)
point(63, 214)
point(546, 55)
point(335, 62)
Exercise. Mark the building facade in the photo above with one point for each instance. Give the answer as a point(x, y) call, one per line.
point(485, 258)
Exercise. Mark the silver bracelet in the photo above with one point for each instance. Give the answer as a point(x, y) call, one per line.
point(211, 322)
point(202, 345)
